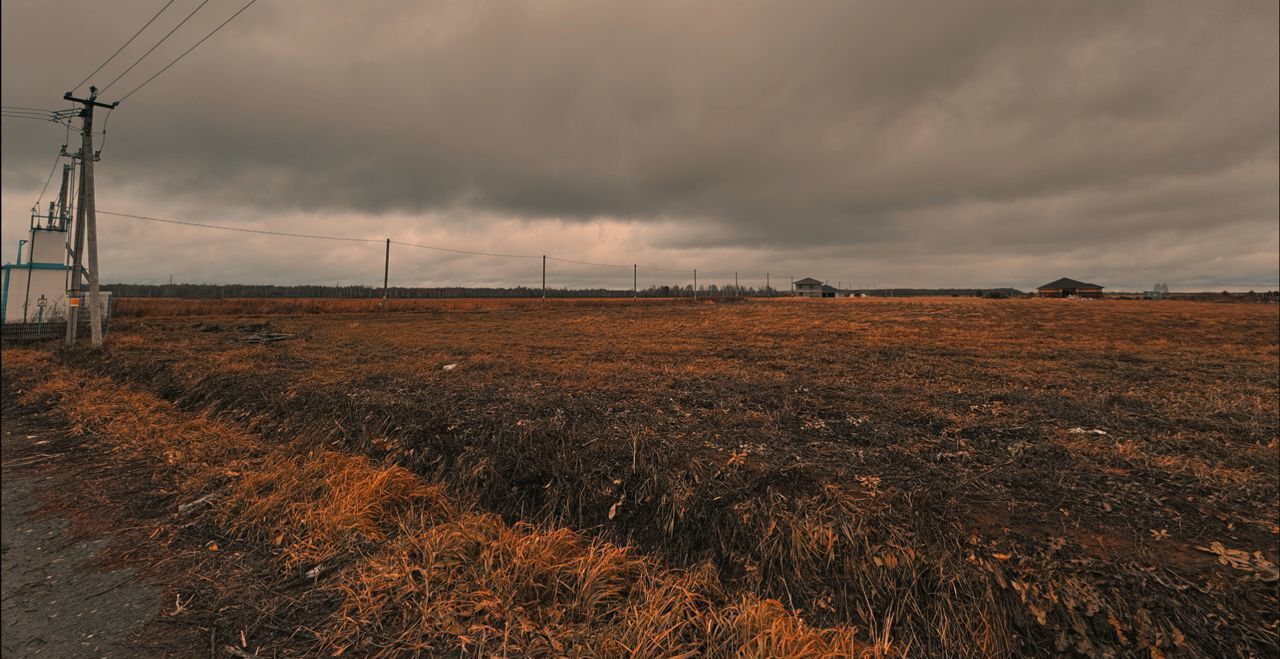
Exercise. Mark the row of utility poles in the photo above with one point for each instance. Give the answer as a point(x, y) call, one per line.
point(86, 229)
point(635, 278)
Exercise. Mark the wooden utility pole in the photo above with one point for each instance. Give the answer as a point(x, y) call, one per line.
point(386, 273)
point(87, 203)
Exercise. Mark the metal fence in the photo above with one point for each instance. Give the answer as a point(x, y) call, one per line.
point(57, 329)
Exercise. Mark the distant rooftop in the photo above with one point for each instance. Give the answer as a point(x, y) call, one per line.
point(1067, 282)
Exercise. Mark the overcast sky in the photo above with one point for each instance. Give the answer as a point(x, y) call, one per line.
point(929, 144)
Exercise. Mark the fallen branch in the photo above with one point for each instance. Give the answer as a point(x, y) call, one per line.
point(184, 507)
point(237, 652)
point(31, 459)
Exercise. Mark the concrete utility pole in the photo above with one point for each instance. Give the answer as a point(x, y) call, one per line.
point(386, 273)
point(77, 264)
point(87, 203)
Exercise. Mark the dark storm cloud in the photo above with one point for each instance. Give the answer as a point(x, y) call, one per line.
point(943, 132)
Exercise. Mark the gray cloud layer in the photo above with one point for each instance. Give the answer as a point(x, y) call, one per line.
point(947, 143)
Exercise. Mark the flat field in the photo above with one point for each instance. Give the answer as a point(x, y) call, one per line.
point(935, 476)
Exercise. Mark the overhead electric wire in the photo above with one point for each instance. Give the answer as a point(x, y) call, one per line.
point(102, 145)
point(646, 267)
point(434, 248)
point(49, 119)
point(598, 265)
point(18, 107)
point(65, 140)
point(33, 115)
point(467, 251)
point(184, 54)
point(126, 45)
point(241, 229)
point(157, 45)
point(56, 160)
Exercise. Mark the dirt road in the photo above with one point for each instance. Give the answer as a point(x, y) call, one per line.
point(55, 604)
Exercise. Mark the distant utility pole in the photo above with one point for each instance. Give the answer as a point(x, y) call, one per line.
point(87, 203)
point(736, 290)
point(635, 278)
point(793, 284)
point(767, 289)
point(386, 273)
point(695, 283)
point(544, 276)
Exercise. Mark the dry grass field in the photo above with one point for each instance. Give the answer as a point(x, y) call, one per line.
point(930, 477)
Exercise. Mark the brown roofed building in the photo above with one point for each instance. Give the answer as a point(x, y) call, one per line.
point(809, 287)
point(1067, 287)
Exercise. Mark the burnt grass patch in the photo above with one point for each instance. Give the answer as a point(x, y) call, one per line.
point(967, 478)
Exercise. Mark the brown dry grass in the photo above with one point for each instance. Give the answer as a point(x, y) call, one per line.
point(421, 572)
point(140, 307)
point(910, 468)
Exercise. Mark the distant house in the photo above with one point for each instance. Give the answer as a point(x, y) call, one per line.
point(809, 287)
point(1067, 287)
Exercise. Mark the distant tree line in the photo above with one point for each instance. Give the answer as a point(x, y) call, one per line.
point(944, 292)
point(214, 291)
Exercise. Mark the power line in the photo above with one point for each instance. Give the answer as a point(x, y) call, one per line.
point(179, 58)
point(393, 242)
point(157, 45)
point(56, 159)
point(105, 119)
point(121, 48)
point(240, 229)
point(646, 267)
point(20, 108)
point(50, 119)
point(599, 265)
point(467, 251)
point(45, 189)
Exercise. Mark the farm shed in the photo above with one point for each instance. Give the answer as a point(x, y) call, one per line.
point(1067, 287)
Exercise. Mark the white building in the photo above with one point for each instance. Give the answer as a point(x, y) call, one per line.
point(35, 286)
